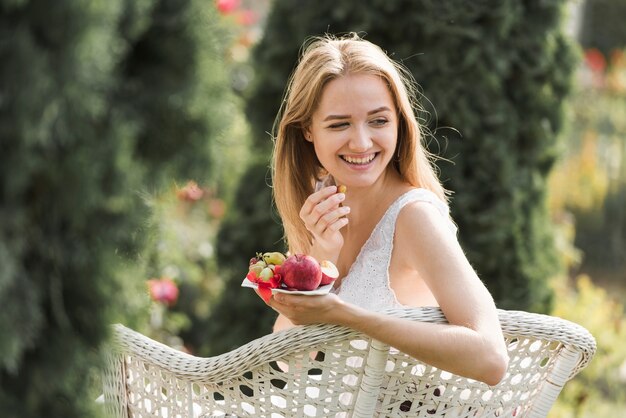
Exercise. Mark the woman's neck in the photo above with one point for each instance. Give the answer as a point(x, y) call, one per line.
point(370, 202)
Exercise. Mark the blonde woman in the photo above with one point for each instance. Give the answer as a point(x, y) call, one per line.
point(347, 119)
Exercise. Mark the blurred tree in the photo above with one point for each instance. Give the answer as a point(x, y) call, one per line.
point(98, 101)
point(603, 26)
point(252, 226)
point(497, 71)
point(69, 215)
point(594, 161)
point(176, 90)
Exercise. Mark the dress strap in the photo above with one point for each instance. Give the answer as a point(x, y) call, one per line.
point(422, 195)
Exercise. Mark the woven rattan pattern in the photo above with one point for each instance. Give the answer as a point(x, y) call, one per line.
point(320, 371)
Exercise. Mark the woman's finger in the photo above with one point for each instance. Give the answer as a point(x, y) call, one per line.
point(316, 198)
point(330, 218)
point(323, 212)
point(330, 203)
point(336, 226)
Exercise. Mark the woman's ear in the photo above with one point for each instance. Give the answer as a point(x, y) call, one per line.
point(307, 134)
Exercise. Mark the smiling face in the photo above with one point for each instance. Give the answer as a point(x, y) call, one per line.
point(354, 129)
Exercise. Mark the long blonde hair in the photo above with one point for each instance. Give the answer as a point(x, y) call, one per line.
point(295, 167)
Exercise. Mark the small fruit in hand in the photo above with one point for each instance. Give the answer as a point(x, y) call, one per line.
point(342, 189)
point(329, 272)
point(275, 258)
point(301, 272)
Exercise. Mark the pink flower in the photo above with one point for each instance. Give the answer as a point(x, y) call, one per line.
point(226, 6)
point(163, 290)
point(190, 193)
point(247, 17)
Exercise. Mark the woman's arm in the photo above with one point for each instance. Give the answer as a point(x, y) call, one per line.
point(471, 344)
point(282, 323)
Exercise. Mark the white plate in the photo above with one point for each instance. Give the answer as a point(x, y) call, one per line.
point(322, 290)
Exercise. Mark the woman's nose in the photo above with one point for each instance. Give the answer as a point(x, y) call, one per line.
point(360, 140)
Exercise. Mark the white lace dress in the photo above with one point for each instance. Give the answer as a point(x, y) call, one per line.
point(367, 282)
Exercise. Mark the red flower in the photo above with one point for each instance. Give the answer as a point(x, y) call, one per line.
point(163, 290)
point(595, 60)
point(226, 6)
point(190, 193)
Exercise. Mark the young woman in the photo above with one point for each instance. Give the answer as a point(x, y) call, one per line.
point(347, 119)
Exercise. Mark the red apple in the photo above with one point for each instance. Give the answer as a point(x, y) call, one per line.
point(301, 272)
point(329, 272)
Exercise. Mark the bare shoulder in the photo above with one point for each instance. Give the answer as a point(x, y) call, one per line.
point(424, 220)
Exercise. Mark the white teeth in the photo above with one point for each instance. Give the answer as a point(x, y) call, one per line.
point(364, 160)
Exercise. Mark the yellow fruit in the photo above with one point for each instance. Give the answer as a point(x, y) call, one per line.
point(266, 274)
point(342, 189)
point(275, 258)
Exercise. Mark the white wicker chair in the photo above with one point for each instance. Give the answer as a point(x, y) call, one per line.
point(337, 372)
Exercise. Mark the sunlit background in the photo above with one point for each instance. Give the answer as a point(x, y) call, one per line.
point(135, 138)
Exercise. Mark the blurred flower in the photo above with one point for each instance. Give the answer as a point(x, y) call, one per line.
point(595, 60)
point(163, 290)
point(247, 17)
point(217, 208)
point(226, 6)
point(593, 72)
point(190, 193)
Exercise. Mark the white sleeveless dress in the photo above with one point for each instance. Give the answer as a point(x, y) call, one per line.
point(367, 282)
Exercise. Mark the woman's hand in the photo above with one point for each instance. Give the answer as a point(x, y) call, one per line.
point(304, 310)
point(324, 217)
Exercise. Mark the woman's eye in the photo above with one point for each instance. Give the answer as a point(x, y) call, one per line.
point(379, 122)
point(338, 125)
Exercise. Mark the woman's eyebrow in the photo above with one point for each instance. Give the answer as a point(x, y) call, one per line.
point(331, 117)
point(380, 109)
point(371, 112)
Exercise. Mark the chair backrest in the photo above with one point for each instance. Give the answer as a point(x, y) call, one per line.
point(331, 371)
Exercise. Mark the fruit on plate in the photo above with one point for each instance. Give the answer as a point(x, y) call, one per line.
point(257, 268)
point(264, 269)
point(274, 270)
point(301, 272)
point(274, 258)
point(329, 272)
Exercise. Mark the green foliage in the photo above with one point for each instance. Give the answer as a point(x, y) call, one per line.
point(252, 226)
point(100, 101)
point(69, 221)
point(586, 201)
point(599, 123)
point(593, 160)
point(496, 71)
point(182, 249)
point(598, 391)
point(175, 88)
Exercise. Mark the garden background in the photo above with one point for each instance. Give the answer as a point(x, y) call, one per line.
point(134, 154)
